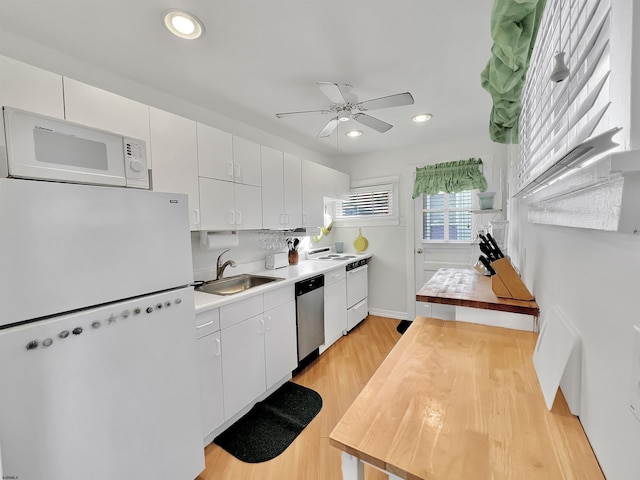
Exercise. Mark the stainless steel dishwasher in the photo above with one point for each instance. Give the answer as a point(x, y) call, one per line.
point(310, 317)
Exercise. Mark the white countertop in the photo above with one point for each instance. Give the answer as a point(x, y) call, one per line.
point(291, 274)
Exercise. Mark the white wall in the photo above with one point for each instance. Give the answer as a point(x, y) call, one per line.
point(391, 276)
point(594, 277)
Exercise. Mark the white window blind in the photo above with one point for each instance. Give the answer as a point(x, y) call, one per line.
point(446, 217)
point(556, 117)
point(370, 201)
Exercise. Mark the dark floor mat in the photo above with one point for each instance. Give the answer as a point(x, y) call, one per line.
point(402, 326)
point(272, 424)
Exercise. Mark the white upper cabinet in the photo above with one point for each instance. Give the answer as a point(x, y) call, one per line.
point(98, 108)
point(335, 184)
point(215, 153)
point(229, 206)
point(344, 186)
point(30, 88)
point(293, 190)
point(312, 195)
point(246, 162)
point(273, 209)
point(281, 190)
point(175, 158)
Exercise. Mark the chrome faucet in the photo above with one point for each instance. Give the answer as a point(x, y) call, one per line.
point(220, 268)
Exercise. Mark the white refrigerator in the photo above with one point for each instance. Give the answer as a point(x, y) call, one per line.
point(98, 372)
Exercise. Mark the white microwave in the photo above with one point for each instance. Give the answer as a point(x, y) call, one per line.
point(45, 148)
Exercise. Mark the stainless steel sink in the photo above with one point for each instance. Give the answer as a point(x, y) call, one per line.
point(235, 284)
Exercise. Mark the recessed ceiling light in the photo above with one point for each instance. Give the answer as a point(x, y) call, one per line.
point(353, 133)
point(183, 24)
point(423, 117)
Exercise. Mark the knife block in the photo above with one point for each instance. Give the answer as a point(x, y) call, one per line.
point(506, 283)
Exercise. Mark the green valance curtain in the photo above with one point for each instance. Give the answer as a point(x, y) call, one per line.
point(514, 26)
point(449, 177)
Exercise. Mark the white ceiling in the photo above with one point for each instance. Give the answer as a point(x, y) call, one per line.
point(261, 57)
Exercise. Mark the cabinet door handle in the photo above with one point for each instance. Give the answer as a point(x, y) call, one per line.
point(238, 218)
point(218, 348)
point(232, 218)
point(197, 213)
point(261, 326)
point(205, 324)
point(230, 169)
point(236, 171)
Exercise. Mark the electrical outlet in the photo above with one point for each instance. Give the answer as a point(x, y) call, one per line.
point(634, 400)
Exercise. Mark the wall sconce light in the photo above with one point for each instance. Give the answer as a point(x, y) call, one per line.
point(560, 70)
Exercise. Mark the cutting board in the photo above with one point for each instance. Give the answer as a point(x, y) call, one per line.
point(557, 355)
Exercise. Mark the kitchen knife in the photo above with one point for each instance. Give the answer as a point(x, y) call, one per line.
point(495, 246)
point(487, 264)
point(484, 248)
point(493, 255)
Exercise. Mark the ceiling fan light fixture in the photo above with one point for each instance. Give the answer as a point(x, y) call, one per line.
point(353, 133)
point(422, 117)
point(183, 24)
point(344, 115)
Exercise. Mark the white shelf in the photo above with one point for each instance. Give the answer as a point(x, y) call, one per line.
point(486, 211)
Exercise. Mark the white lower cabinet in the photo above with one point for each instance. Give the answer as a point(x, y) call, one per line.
point(210, 360)
point(210, 363)
point(280, 339)
point(243, 364)
point(335, 306)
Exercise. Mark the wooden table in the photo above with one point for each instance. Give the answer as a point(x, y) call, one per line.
point(456, 400)
point(466, 288)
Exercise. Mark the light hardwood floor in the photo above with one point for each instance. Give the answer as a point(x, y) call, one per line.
point(338, 376)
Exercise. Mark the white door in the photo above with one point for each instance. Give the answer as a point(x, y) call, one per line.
point(280, 340)
point(243, 365)
point(431, 256)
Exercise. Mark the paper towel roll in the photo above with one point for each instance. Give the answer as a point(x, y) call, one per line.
point(218, 240)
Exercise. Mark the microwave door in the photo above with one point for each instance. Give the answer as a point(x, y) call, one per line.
point(50, 149)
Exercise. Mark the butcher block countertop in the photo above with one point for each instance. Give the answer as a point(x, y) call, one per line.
point(468, 288)
point(457, 400)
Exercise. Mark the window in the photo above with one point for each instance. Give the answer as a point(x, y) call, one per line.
point(372, 203)
point(446, 217)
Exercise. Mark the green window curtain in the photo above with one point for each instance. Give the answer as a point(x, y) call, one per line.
point(449, 177)
point(514, 26)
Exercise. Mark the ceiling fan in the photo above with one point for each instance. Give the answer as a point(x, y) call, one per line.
point(346, 110)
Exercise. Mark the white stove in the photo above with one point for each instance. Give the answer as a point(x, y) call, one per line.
point(329, 253)
point(357, 282)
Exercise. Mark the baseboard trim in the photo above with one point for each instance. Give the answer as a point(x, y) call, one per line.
point(388, 313)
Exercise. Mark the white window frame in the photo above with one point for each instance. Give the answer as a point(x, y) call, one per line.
point(446, 210)
point(371, 185)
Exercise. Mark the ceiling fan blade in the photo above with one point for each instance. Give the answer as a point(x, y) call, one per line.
point(332, 92)
point(396, 100)
point(280, 115)
point(329, 127)
point(372, 122)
